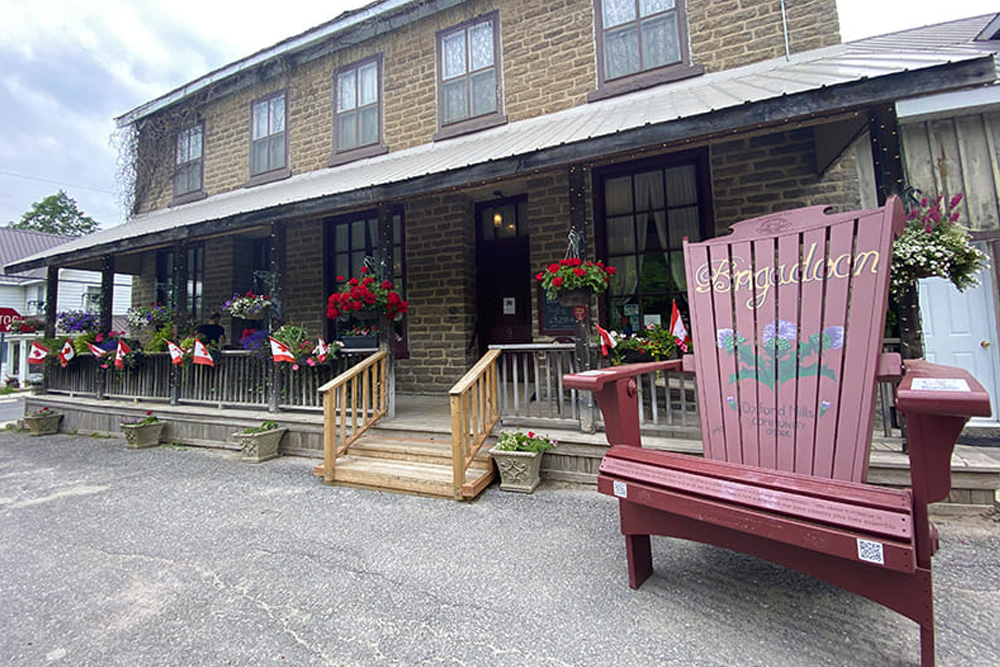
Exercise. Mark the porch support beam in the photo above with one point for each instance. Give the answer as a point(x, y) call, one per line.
point(51, 299)
point(386, 328)
point(887, 153)
point(179, 281)
point(107, 291)
point(277, 267)
point(581, 325)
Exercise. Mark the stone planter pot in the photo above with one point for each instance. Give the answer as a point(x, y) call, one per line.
point(43, 424)
point(359, 342)
point(140, 436)
point(519, 471)
point(575, 297)
point(259, 447)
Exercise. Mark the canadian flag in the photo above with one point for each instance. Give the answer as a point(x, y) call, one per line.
point(176, 353)
point(607, 342)
point(321, 350)
point(677, 328)
point(201, 355)
point(280, 351)
point(67, 353)
point(97, 351)
point(37, 354)
point(120, 353)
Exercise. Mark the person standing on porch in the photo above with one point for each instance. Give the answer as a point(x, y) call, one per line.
point(213, 333)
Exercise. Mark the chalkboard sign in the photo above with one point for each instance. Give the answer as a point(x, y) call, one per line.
point(557, 320)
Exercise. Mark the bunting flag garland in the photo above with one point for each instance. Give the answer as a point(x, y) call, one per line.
point(37, 354)
point(607, 342)
point(280, 351)
point(677, 328)
point(321, 349)
point(120, 353)
point(97, 351)
point(176, 353)
point(66, 354)
point(201, 355)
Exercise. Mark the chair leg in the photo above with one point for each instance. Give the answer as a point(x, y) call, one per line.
point(640, 559)
point(927, 645)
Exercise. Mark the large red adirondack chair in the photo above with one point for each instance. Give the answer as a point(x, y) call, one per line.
point(788, 313)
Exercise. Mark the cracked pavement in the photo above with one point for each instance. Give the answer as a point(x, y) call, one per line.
point(185, 556)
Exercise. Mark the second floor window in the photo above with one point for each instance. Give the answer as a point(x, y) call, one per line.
point(268, 145)
point(188, 166)
point(358, 106)
point(641, 43)
point(469, 82)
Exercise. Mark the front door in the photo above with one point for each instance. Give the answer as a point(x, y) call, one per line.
point(960, 330)
point(503, 275)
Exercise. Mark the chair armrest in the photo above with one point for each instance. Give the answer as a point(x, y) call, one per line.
point(890, 366)
point(932, 389)
point(615, 392)
point(596, 379)
point(937, 401)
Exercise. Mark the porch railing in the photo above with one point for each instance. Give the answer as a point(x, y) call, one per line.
point(352, 403)
point(474, 413)
point(531, 392)
point(238, 379)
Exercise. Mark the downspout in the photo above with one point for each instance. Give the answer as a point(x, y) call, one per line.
point(784, 27)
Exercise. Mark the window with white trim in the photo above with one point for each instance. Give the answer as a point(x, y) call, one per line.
point(268, 142)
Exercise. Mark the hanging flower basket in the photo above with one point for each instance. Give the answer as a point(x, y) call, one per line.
point(366, 299)
point(249, 306)
point(575, 279)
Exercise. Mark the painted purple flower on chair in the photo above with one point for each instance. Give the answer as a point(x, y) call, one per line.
point(780, 356)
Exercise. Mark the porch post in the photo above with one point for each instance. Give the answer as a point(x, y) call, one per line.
point(106, 306)
point(51, 299)
point(178, 298)
point(581, 320)
point(887, 162)
point(277, 271)
point(386, 326)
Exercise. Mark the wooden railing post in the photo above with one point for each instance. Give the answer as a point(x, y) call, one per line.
point(472, 418)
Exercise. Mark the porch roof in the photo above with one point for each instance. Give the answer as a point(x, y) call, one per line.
point(808, 86)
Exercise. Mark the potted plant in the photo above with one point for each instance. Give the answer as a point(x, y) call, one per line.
point(44, 422)
point(366, 298)
point(573, 282)
point(519, 459)
point(142, 433)
point(360, 337)
point(260, 443)
point(655, 343)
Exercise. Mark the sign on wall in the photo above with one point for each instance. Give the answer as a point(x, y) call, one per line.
point(7, 315)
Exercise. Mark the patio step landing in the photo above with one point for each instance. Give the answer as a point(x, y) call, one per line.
point(408, 465)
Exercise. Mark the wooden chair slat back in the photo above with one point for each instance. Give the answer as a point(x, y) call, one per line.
point(787, 316)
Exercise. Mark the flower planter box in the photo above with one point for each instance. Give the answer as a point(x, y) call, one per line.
point(141, 436)
point(359, 342)
point(519, 471)
point(43, 424)
point(259, 447)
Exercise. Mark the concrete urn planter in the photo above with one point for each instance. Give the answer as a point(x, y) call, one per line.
point(43, 424)
point(519, 471)
point(140, 436)
point(259, 447)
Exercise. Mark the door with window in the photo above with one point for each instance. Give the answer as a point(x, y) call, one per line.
point(646, 211)
point(503, 274)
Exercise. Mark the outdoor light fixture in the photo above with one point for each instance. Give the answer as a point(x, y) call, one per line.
point(497, 215)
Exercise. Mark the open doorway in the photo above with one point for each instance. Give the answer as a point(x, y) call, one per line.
point(503, 273)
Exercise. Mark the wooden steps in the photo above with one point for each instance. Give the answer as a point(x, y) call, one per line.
point(408, 465)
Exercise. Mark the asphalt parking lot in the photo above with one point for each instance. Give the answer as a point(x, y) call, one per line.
point(184, 556)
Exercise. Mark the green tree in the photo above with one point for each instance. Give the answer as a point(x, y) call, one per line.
point(57, 214)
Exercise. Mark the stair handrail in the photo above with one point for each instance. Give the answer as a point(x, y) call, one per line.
point(362, 382)
point(474, 413)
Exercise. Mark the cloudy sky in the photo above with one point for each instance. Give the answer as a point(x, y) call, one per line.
point(68, 67)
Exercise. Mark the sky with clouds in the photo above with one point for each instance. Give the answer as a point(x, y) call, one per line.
point(69, 67)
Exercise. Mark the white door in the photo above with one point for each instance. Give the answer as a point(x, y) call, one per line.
point(960, 330)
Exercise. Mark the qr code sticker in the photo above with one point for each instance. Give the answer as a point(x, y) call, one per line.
point(621, 491)
point(871, 552)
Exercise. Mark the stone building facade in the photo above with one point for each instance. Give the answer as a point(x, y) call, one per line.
point(550, 57)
